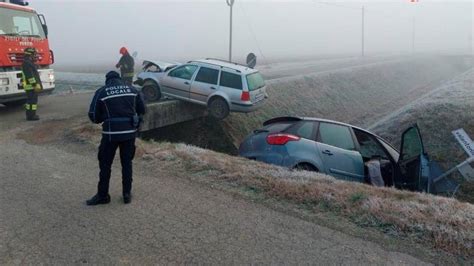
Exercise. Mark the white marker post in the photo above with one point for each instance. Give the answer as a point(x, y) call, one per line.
point(466, 168)
point(465, 141)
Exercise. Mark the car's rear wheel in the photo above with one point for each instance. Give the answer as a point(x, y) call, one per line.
point(218, 108)
point(305, 167)
point(151, 92)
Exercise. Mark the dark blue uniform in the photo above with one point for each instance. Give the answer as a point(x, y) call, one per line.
point(117, 106)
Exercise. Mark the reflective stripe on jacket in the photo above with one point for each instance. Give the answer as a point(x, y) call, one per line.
point(127, 75)
point(29, 75)
point(115, 106)
point(127, 65)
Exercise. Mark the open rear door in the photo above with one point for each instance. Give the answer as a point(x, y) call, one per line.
point(413, 162)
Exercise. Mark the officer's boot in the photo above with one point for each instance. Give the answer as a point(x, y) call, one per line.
point(98, 199)
point(34, 116)
point(127, 198)
point(31, 115)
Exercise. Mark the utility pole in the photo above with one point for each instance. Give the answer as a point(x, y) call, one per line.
point(363, 31)
point(230, 3)
point(413, 36)
point(413, 28)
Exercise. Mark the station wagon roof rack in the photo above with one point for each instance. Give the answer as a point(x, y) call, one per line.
point(230, 62)
point(235, 66)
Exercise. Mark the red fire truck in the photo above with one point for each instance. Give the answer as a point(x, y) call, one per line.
point(22, 27)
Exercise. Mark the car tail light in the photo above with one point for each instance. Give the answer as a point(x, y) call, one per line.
point(245, 96)
point(281, 139)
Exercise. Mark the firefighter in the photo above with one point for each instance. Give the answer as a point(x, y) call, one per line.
point(118, 107)
point(126, 65)
point(31, 83)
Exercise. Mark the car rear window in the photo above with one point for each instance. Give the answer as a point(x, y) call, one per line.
point(277, 127)
point(231, 80)
point(255, 81)
point(207, 75)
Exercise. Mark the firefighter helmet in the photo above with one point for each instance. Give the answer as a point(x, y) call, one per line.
point(123, 51)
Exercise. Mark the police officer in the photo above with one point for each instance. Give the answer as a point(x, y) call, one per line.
point(118, 107)
point(31, 83)
point(126, 65)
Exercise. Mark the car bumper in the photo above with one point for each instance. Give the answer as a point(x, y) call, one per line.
point(273, 158)
point(246, 108)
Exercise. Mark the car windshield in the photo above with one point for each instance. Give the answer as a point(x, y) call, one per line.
point(255, 81)
point(20, 23)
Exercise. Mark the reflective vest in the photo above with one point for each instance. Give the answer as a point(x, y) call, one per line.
point(27, 83)
point(29, 75)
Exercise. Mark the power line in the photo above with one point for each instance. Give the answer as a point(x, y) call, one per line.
point(337, 5)
point(370, 9)
point(249, 25)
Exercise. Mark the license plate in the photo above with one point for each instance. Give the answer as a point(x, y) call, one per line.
point(259, 97)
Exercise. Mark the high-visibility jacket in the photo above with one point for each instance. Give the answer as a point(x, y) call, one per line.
point(116, 105)
point(126, 65)
point(30, 77)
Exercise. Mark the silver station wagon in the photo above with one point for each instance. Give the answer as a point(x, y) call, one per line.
point(220, 85)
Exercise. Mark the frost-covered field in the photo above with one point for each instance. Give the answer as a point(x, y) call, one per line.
point(65, 81)
point(288, 69)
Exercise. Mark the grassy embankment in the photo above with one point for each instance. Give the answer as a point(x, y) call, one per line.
point(436, 222)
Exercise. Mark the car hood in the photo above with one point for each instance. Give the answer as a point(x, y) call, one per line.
point(161, 64)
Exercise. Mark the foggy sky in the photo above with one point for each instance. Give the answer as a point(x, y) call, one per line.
point(84, 32)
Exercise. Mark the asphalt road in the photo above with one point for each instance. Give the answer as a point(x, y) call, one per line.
point(44, 220)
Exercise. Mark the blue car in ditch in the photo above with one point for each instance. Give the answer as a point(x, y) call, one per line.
point(343, 151)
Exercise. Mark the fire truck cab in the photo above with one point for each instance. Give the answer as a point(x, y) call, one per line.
point(22, 27)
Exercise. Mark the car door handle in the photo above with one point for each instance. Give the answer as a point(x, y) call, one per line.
point(213, 88)
point(327, 152)
point(187, 83)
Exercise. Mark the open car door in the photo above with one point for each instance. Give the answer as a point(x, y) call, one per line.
point(417, 171)
point(413, 162)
